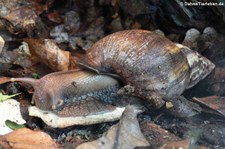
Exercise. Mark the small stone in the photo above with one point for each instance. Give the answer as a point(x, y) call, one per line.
point(169, 105)
point(191, 38)
point(207, 39)
point(158, 31)
point(209, 30)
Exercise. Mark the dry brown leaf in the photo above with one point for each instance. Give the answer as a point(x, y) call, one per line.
point(212, 104)
point(163, 139)
point(49, 53)
point(217, 82)
point(126, 134)
point(157, 135)
point(2, 43)
point(176, 144)
point(181, 107)
point(180, 144)
point(21, 16)
point(21, 20)
point(26, 139)
point(55, 17)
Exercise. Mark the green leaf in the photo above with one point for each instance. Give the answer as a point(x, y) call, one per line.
point(35, 76)
point(12, 125)
point(5, 97)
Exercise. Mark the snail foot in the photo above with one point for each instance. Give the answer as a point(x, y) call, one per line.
point(151, 97)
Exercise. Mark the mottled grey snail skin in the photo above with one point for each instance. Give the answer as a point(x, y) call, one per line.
point(152, 67)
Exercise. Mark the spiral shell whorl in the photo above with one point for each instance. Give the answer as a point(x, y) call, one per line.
point(142, 58)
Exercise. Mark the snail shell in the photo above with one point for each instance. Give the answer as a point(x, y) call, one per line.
point(151, 66)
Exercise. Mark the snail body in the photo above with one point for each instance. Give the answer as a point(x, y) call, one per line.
point(73, 97)
point(152, 67)
point(67, 93)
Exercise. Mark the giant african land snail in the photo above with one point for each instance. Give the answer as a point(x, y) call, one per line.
point(150, 66)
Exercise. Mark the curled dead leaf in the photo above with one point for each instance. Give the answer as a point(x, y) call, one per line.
point(2, 43)
point(126, 134)
point(26, 139)
point(212, 104)
point(49, 53)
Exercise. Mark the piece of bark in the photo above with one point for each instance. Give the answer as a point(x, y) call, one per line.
point(26, 139)
point(126, 134)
